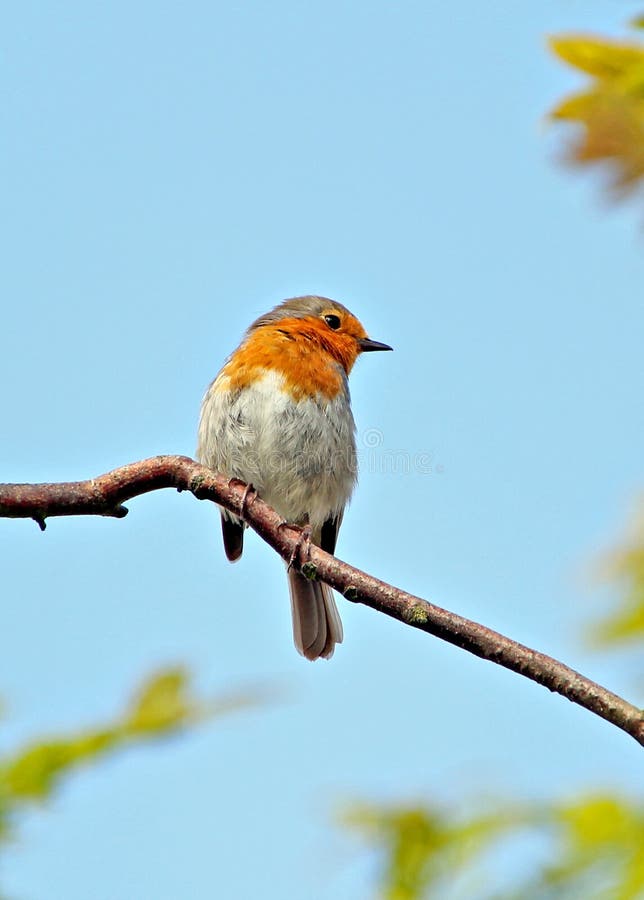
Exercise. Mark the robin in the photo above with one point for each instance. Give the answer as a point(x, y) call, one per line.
point(278, 416)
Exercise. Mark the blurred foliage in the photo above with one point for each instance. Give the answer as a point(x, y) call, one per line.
point(424, 846)
point(592, 847)
point(609, 112)
point(625, 566)
point(595, 850)
point(161, 707)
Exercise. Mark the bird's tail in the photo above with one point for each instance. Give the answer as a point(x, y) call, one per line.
point(316, 621)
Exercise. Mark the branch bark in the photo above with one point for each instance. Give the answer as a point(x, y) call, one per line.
point(105, 495)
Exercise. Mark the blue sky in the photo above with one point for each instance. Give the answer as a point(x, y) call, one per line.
point(172, 171)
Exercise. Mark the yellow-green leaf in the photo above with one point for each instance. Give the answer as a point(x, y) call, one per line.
point(577, 106)
point(625, 567)
point(161, 706)
point(596, 848)
point(609, 112)
point(599, 57)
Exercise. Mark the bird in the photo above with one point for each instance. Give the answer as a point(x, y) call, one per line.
point(278, 417)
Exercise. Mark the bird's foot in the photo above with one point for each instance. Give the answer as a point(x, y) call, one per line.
point(248, 490)
point(302, 548)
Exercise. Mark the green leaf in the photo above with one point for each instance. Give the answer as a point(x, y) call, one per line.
point(161, 706)
point(34, 772)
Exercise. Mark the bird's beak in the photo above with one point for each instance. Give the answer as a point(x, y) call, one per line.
point(367, 345)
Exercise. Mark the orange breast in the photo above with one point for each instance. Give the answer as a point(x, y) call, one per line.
point(312, 360)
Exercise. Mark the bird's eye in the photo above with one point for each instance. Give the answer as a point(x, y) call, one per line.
point(333, 322)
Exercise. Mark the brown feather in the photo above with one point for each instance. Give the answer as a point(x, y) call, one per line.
point(233, 535)
point(316, 622)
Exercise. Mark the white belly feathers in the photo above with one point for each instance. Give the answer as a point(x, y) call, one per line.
point(285, 448)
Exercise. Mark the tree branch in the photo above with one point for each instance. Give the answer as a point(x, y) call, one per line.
point(105, 495)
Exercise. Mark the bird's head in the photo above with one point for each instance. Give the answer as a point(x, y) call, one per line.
point(320, 324)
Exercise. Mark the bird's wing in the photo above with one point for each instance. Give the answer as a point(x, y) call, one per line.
point(329, 534)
